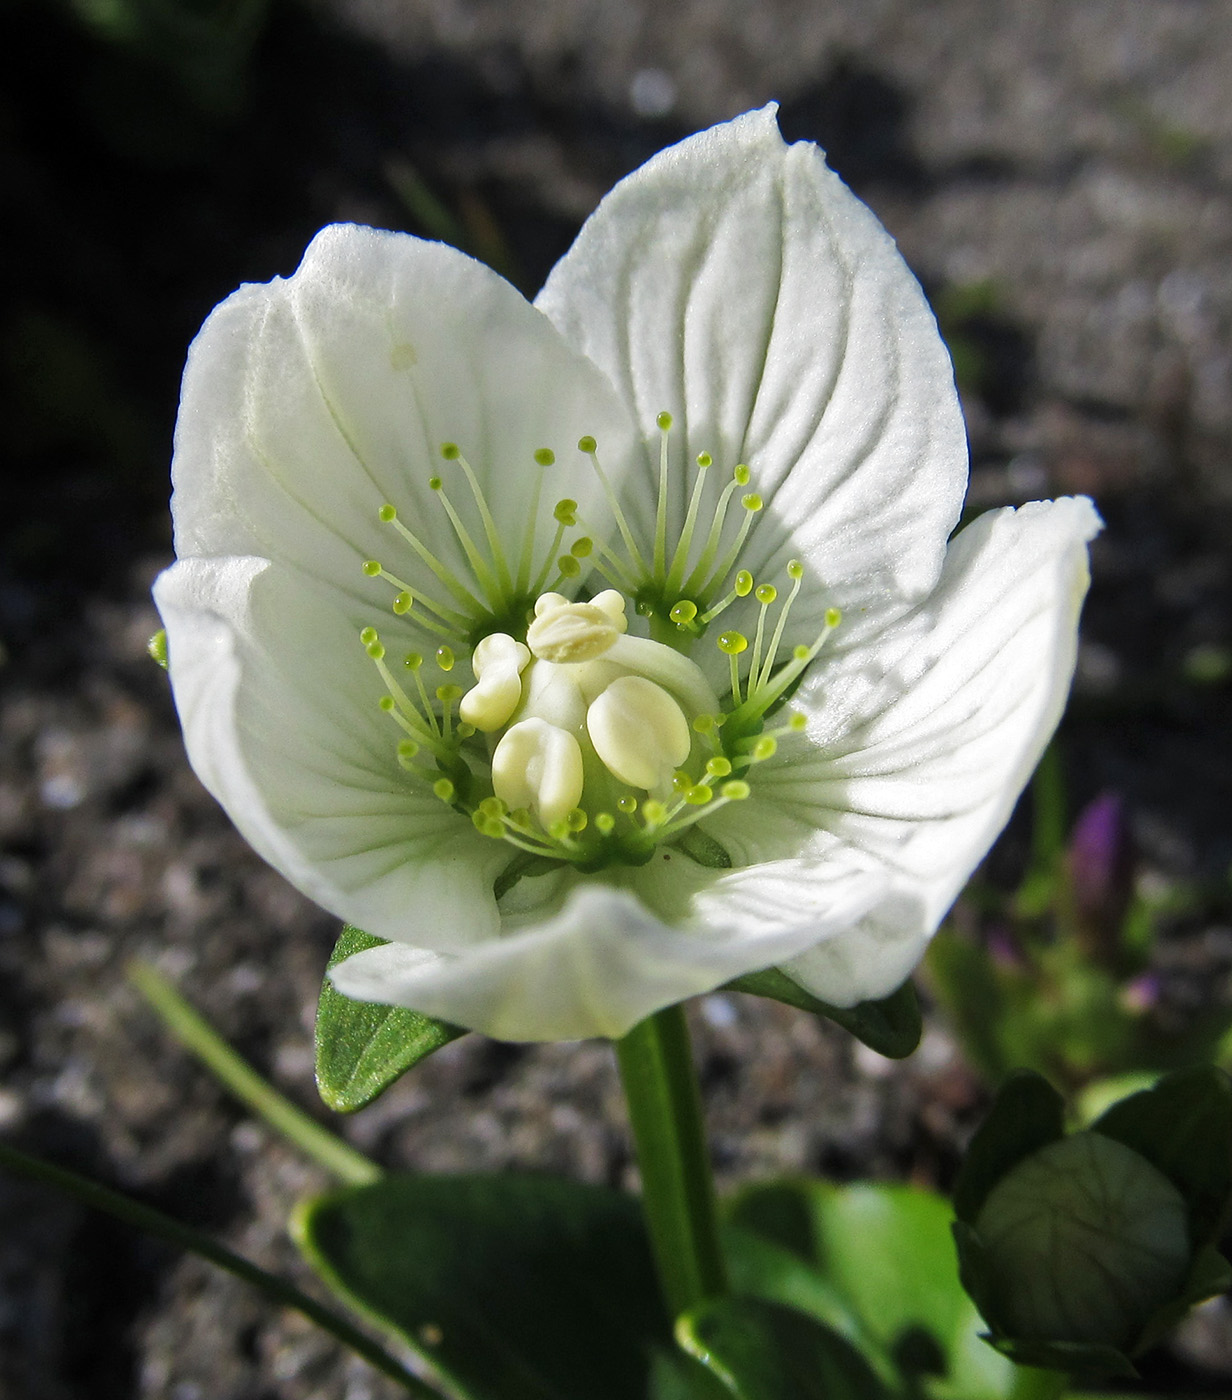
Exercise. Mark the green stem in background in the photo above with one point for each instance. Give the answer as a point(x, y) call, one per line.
point(660, 1083)
point(194, 1033)
point(165, 1227)
point(1032, 1383)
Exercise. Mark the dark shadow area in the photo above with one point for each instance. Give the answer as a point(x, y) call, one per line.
point(862, 121)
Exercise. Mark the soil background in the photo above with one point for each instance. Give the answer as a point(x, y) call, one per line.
point(1059, 175)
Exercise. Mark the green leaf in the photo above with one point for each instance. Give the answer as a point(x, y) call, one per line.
point(1082, 1360)
point(511, 1287)
point(874, 1263)
point(1209, 1275)
point(962, 977)
point(361, 1047)
point(891, 1026)
point(1183, 1127)
point(1028, 1114)
point(764, 1351)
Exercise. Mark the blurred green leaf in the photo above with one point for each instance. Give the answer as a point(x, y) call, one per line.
point(362, 1047)
point(1028, 1114)
point(876, 1265)
point(1183, 1127)
point(764, 1351)
point(891, 1026)
point(510, 1287)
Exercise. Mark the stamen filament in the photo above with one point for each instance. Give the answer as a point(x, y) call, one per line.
point(752, 504)
point(484, 576)
point(526, 560)
point(490, 530)
point(455, 621)
point(413, 661)
point(459, 591)
point(562, 524)
point(588, 446)
point(693, 584)
point(680, 557)
point(664, 423)
point(766, 594)
point(741, 588)
point(615, 571)
point(795, 571)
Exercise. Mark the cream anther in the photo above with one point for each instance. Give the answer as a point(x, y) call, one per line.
point(570, 633)
point(539, 767)
point(498, 662)
point(639, 732)
point(673, 671)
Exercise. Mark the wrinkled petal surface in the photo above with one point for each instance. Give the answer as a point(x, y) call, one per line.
point(735, 281)
point(300, 756)
point(922, 740)
point(598, 966)
point(309, 402)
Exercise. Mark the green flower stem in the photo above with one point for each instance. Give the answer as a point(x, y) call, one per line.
point(656, 1068)
point(165, 1227)
point(196, 1034)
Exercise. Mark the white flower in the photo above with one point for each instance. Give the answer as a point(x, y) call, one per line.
point(589, 841)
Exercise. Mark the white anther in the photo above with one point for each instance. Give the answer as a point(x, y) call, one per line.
point(539, 767)
point(498, 662)
point(549, 600)
point(612, 603)
point(569, 633)
point(684, 678)
point(639, 732)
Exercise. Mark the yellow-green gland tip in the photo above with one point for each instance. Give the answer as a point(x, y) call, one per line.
point(742, 474)
point(664, 421)
point(735, 791)
point(704, 459)
point(744, 584)
point(545, 456)
point(450, 451)
point(156, 647)
point(587, 444)
point(368, 636)
point(445, 658)
point(386, 514)
point(833, 617)
point(372, 567)
point(443, 789)
point(766, 594)
point(732, 643)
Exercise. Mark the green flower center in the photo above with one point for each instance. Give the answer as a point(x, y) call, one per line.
point(580, 742)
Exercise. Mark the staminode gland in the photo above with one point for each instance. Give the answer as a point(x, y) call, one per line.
point(579, 741)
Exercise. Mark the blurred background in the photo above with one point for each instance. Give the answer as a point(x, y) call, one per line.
point(1059, 175)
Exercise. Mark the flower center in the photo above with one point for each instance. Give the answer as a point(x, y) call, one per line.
point(580, 741)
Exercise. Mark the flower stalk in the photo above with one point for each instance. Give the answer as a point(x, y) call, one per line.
point(665, 1111)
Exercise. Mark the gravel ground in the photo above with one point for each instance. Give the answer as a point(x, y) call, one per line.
point(1059, 175)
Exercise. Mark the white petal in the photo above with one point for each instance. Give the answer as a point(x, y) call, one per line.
point(736, 282)
point(278, 705)
point(596, 968)
point(922, 740)
point(307, 403)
